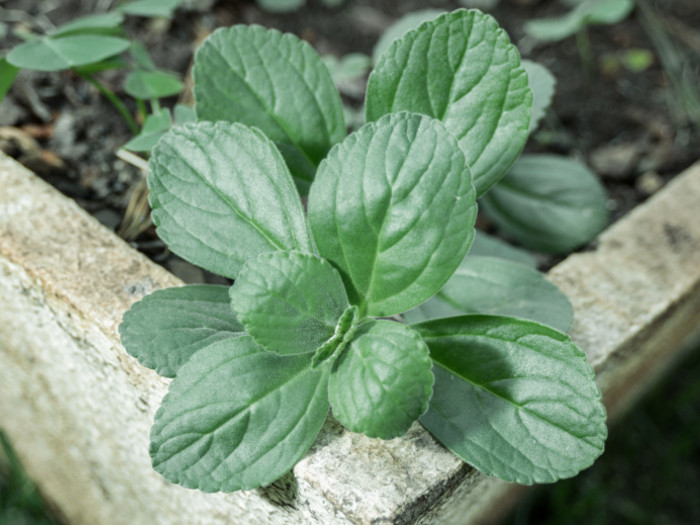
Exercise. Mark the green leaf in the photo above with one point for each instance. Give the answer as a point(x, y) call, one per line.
point(548, 203)
point(164, 329)
point(461, 69)
point(553, 29)
point(488, 285)
point(221, 194)
point(402, 26)
point(142, 57)
point(281, 6)
point(103, 65)
point(151, 8)
point(8, 72)
point(238, 417)
point(513, 398)
point(490, 246)
point(153, 129)
point(542, 84)
point(276, 83)
point(393, 208)
point(147, 85)
point(289, 302)
point(184, 114)
point(381, 383)
point(608, 11)
point(585, 13)
point(104, 22)
point(54, 54)
point(157, 124)
point(349, 68)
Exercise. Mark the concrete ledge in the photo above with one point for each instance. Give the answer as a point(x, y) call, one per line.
point(78, 409)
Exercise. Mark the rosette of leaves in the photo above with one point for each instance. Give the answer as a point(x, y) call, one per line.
point(312, 322)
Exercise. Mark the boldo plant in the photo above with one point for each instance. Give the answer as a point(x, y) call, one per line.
point(313, 320)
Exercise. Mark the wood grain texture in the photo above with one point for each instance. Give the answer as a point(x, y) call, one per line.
point(78, 409)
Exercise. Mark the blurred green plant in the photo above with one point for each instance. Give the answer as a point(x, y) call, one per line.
point(584, 13)
point(285, 6)
point(633, 60)
point(95, 43)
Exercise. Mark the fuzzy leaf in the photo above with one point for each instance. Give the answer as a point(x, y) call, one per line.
point(238, 417)
point(381, 383)
point(276, 83)
point(393, 208)
point(245, 202)
point(548, 203)
point(489, 285)
point(461, 69)
point(164, 329)
point(289, 302)
point(54, 54)
point(513, 398)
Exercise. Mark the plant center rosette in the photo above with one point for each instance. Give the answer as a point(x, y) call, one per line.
point(313, 321)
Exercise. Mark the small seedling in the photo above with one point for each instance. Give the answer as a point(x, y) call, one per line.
point(576, 21)
point(313, 320)
point(582, 14)
point(95, 43)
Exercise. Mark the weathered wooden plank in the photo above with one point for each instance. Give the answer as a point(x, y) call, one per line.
point(78, 408)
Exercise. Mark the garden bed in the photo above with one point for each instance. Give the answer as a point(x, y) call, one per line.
point(78, 408)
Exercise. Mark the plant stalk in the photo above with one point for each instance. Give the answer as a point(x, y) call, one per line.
point(116, 102)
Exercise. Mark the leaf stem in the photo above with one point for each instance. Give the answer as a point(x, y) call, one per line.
point(109, 95)
point(583, 43)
